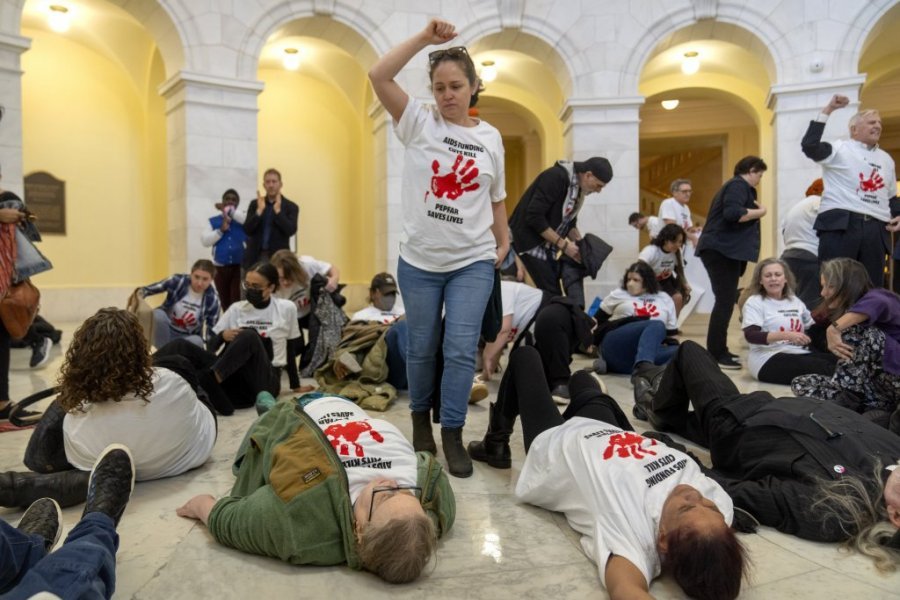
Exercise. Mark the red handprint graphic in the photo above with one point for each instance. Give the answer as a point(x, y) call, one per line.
point(186, 322)
point(341, 435)
point(795, 325)
point(647, 309)
point(455, 183)
point(874, 183)
point(627, 444)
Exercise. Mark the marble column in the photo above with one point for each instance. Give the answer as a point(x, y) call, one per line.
point(794, 106)
point(11, 49)
point(608, 127)
point(212, 146)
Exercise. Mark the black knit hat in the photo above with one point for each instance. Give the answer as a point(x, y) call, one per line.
point(597, 165)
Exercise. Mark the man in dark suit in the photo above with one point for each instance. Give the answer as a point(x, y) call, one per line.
point(772, 455)
point(270, 222)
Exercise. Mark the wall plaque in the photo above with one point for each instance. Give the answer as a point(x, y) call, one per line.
point(45, 196)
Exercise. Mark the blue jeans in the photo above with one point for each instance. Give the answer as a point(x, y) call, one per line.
point(397, 342)
point(84, 567)
point(463, 294)
point(163, 332)
point(640, 341)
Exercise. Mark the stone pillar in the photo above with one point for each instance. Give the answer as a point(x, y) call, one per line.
point(212, 146)
point(608, 127)
point(794, 106)
point(11, 49)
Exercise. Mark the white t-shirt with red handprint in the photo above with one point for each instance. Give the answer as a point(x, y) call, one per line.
point(858, 179)
point(787, 314)
point(620, 304)
point(451, 176)
point(611, 485)
point(368, 448)
point(185, 314)
point(662, 263)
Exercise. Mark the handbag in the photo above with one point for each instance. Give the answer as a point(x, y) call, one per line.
point(139, 307)
point(19, 307)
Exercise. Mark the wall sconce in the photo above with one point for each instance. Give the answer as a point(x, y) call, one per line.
point(291, 59)
point(59, 18)
point(488, 71)
point(669, 104)
point(690, 64)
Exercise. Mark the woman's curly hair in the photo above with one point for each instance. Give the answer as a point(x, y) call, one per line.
point(107, 359)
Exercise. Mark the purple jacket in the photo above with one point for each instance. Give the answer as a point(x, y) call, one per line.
point(883, 309)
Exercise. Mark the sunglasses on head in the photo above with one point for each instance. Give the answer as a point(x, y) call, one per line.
point(455, 52)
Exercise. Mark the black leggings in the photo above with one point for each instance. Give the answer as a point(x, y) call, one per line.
point(524, 392)
point(783, 367)
point(555, 341)
point(243, 367)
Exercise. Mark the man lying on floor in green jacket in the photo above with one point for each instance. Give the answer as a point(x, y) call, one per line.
point(320, 482)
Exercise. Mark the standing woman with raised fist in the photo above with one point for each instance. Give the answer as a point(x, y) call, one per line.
point(454, 228)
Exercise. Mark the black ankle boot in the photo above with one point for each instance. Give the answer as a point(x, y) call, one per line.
point(46, 452)
point(21, 489)
point(646, 386)
point(494, 448)
point(458, 462)
point(423, 438)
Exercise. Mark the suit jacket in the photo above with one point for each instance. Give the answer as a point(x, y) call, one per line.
point(284, 225)
point(769, 455)
point(540, 207)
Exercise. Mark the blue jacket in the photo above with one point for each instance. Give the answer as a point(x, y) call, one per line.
point(176, 287)
point(229, 250)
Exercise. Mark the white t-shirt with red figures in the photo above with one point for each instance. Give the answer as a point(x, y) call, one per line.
point(620, 304)
point(522, 302)
point(368, 448)
point(662, 263)
point(185, 313)
point(277, 321)
point(858, 179)
point(769, 314)
point(611, 485)
point(673, 210)
point(451, 176)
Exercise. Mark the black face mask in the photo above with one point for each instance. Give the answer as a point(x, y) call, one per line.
point(255, 297)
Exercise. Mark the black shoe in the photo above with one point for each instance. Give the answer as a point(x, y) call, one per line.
point(728, 363)
point(458, 462)
point(646, 386)
point(43, 518)
point(423, 437)
point(494, 448)
point(40, 354)
point(111, 483)
point(55, 336)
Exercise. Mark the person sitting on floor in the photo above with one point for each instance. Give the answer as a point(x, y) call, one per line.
point(663, 254)
point(191, 303)
point(112, 391)
point(85, 565)
point(775, 321)
point(320, 482)
point(641, 507)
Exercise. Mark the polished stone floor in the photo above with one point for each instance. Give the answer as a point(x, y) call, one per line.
point(498, 548)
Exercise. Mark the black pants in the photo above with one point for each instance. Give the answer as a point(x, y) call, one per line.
point(805, 267)
point(783, 367)
point(524, 392)
point(244, 366)
point(228, 283)
point(724, 275)
point(4, 362)
point(555, 341)
point(865, 240)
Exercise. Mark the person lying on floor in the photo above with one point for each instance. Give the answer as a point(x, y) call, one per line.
point(641, 507)
point(805, 466)
point(320, 482)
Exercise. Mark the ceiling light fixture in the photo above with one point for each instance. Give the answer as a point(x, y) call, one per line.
point(488, 71)
point(59, 18)
point(669, 104)
point(690, 64)
point(291, 59)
